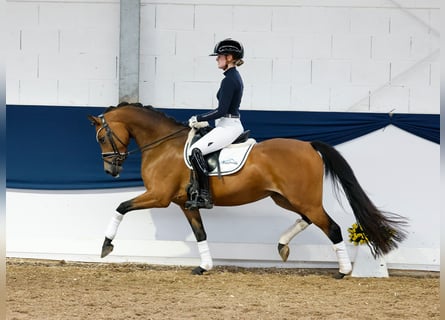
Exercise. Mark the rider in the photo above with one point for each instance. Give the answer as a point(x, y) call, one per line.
point(229, 54)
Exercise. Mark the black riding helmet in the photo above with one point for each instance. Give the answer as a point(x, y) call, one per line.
point(229, 46)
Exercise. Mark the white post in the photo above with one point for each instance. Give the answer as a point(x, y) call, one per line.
point(365, 266)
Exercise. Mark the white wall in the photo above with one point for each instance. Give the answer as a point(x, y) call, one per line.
point(62, 53)
point(368, 55)
point(399, 171)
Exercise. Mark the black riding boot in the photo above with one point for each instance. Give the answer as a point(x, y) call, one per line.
point(204, 198)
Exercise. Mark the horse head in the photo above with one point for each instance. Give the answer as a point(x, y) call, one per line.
point(146, 125)
point(113, 138)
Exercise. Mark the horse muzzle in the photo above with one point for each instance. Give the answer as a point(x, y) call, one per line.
point(112, 169)
point(113, 163)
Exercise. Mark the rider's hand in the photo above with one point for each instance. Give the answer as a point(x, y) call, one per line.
point(192, 122)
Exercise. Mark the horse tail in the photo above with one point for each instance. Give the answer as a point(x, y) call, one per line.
point(384, 230)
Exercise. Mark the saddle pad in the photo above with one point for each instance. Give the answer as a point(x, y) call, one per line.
point(231, 158)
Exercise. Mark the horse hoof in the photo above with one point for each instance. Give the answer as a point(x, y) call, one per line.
point(107, 247)
point(283, 250)
point(198, 271)
point(339, 276)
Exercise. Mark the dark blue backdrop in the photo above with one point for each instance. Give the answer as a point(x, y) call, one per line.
point(55, 147)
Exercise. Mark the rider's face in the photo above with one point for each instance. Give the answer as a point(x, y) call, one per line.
point(225, 61)
point(222, 61)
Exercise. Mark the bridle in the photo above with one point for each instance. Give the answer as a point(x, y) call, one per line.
point(118, 157)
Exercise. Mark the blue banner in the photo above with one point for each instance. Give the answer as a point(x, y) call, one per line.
point(54, 148)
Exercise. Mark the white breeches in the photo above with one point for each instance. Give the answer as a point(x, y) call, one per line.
point(225, 132)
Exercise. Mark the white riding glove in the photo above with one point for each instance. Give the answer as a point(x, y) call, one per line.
point(193, 123)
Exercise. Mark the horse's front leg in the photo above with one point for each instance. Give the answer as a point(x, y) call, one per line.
point(110, 233)
point(144, 201)
point(194, 218)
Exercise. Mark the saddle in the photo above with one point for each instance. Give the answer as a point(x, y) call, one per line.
point(225, 161)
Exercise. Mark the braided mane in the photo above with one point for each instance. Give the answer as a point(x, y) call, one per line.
point(148, 108)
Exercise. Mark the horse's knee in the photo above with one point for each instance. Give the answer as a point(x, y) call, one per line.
point(124, 207)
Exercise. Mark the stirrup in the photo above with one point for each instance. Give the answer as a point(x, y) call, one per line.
point(199, 202)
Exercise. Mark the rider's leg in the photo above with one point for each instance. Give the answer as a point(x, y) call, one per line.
point(204, 199)
point(226, 131)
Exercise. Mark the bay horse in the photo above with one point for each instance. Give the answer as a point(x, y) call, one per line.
point(289, 171)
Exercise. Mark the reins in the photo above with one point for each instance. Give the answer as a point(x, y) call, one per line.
point(124, 155)
point(154, 144)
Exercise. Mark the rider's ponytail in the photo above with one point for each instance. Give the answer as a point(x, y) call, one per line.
point(239, 62)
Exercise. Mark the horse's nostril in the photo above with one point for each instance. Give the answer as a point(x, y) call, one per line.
point(113, 173)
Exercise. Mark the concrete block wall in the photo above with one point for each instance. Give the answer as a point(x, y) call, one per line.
point(62, 53)
point(340, 55)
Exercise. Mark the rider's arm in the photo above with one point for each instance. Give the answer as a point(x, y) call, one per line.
point(226, 93)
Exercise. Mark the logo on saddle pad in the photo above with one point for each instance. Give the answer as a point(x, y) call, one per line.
point(222, 162)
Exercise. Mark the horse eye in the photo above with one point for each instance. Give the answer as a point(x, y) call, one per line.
point(102, 140)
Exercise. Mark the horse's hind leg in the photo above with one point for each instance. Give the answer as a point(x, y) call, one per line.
point(293, 230)
point(321, 219)
point(288, 235)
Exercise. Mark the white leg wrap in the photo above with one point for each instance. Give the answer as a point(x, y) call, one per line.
point(113, 225)
point(206, 258)
point(343, 258)
point(295, 229)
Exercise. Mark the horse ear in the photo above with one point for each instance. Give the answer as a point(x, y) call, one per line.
point(94, 120)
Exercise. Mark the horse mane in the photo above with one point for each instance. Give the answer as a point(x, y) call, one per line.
point(148, 108)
